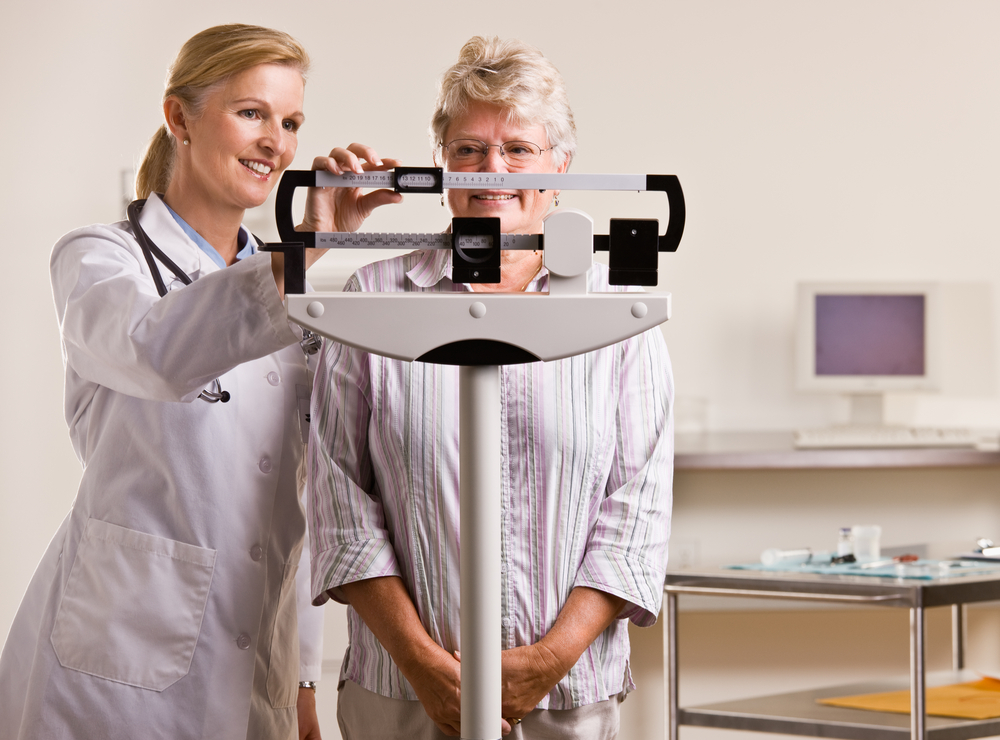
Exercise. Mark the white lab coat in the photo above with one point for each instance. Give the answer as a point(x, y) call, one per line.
point(165, 604)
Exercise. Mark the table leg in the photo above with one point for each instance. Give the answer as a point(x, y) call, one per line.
point(670, 664)
point(958, 636)
point(918, 707)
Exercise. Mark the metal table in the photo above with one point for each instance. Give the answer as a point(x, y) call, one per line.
point(798, 713)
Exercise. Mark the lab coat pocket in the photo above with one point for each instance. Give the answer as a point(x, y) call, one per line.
point(283, 671)
point(133, 606)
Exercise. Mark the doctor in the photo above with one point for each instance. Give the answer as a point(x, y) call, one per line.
point(165, 605)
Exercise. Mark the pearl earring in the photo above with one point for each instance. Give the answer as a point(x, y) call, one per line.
point(186, 142)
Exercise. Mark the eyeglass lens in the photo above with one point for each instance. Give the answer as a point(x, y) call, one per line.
point(470, 151)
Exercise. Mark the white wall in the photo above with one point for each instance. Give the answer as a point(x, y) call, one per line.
point(854, 139)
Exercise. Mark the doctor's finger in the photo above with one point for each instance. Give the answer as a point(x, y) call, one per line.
point(331, 164)
point(377, 198)
point(387, 164)
point(353, 211)
point(367, 153)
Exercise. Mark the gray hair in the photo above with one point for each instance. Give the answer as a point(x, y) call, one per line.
point(514, 76)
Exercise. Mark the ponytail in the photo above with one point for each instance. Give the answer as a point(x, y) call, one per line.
point(156, 166)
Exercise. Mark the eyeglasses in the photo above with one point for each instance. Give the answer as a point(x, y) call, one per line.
point(464, 152)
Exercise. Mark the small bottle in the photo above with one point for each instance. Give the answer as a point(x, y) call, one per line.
point(845, 542)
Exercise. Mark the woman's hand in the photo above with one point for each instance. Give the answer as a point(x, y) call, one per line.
point(435, 674)
point(437, 679)
point(528, 673)
point(345, 209)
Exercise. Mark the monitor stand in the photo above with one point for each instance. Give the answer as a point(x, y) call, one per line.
point(867, 409)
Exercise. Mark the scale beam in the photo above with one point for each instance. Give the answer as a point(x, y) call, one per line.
point(435, 180)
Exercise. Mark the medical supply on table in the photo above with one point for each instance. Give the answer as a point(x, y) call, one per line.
point(890, 561)
point(845, 542)
point(774, 556)
point(841, 559)
point(985, 550)
point(919, 569)
point(866, 542)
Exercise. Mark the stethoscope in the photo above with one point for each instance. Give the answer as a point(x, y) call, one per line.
point(310, 343)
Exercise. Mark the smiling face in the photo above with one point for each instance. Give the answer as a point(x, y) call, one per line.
point(520, 211)
point(245, 136)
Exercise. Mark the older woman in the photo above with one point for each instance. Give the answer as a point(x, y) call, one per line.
point(165, 606)
point(587, 466)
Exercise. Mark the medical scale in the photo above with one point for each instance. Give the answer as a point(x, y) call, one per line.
point(479, 332)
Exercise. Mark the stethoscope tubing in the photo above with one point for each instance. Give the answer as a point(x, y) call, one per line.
point(149, 249)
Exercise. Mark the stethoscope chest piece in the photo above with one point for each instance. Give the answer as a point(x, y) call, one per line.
point(216, 395)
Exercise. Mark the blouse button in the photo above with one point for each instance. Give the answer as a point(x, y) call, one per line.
point(256, 553)
point(243, 641)
point(264, 465)
point(273, 378)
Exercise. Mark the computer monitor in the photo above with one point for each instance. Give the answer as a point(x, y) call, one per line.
point(868, 339)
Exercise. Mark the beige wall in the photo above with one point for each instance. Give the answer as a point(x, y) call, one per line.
point(852, 139)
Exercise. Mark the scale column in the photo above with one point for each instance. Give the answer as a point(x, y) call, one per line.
point(480, 471)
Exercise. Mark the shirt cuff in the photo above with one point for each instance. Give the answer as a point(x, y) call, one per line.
point(311, 671)
point(638, 582)
point(355, 561)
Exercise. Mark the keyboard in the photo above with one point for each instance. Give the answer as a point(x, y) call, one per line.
point(874, 437)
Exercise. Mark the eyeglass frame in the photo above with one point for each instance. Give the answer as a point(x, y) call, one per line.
point(486, 153)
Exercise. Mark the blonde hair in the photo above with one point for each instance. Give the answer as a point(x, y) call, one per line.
point(206, 61)
point(514, 76)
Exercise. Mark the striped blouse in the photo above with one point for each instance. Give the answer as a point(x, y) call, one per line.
point(587, 461)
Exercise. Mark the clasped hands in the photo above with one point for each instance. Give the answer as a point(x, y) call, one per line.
point(528, 673)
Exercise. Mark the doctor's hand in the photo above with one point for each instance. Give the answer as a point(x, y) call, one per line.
point(345, 209)
point(308, 719)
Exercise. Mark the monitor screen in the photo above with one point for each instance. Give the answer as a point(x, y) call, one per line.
point(870, 334)
point(867, 338)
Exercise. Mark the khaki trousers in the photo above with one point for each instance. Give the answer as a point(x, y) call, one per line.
point(364, 715)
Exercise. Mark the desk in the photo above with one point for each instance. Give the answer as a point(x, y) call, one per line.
point(798, 714)
point(776, 451)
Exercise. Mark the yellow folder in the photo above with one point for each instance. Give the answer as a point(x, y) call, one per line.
point(974, 700)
